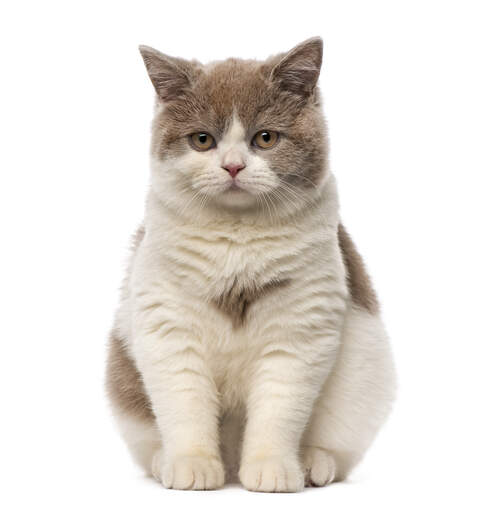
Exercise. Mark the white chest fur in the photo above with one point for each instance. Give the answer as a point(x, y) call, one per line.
point(285, 284)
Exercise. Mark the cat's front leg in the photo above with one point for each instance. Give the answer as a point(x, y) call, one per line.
point(185, 402)
point(284, 385)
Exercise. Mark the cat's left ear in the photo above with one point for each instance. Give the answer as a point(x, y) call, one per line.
point(171, 76)
point(298, 71)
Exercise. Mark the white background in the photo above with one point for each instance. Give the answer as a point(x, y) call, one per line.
point(406, 87)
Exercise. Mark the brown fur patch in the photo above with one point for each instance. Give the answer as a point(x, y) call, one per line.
point(124, 382)
point(236, 301)
point(359, 284)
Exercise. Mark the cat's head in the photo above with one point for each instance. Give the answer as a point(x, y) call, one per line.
point(237, 134)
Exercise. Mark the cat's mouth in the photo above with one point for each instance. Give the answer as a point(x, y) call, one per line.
point(235, 187)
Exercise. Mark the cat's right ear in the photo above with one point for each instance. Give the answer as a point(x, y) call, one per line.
point(170, 76)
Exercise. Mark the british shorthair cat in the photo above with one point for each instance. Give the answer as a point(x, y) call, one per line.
point(248, 342)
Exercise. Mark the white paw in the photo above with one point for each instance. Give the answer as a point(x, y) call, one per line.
point(319, 465)
point(272, 474)
point(188, 472)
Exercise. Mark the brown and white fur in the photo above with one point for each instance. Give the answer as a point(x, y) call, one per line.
point(248, 341)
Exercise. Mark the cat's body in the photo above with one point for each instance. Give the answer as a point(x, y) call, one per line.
point(248, 331)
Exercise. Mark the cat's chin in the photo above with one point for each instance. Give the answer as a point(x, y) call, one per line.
point(236, 198)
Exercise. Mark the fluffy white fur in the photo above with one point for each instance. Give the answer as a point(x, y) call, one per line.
point(309, 376)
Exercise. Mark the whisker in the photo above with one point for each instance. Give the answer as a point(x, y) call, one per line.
point(298, 193)
point(304, 178)
point(186, 206)
point(281, 195)
point(268, 205)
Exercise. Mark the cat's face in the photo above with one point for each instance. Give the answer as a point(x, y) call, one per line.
point(238, 134)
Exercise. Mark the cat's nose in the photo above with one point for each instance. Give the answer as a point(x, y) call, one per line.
point(233, 169)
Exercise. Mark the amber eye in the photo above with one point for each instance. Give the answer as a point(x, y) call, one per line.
point(265, 139)
point(202, 141)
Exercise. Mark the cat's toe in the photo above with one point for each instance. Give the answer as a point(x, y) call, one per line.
point(272, 474)
point(319, 465)
point(156, 465)
point(196, 472)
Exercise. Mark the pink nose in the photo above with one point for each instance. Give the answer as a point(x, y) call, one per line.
point(233, 169)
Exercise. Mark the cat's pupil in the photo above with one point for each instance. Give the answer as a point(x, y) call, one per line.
point(266, 136)
point(202, 138)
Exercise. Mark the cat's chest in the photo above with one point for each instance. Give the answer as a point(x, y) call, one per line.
point(232, 264)
point(231, 271)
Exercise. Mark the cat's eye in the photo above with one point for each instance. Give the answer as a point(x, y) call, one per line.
point(265, 139)
point(202, 141)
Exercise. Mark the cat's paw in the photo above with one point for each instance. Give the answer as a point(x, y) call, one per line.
point(272, 474)
point(319, 466)
point(185, 472)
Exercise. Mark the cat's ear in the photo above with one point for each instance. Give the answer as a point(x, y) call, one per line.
point(171, 76)
point(298, 70)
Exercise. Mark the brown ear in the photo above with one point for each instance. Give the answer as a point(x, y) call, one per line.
point(298, 71)
point(171, 76)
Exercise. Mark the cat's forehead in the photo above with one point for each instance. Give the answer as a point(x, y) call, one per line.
point(228, 90)
point(235, 88)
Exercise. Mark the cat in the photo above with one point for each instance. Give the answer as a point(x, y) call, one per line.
point(248, 342)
